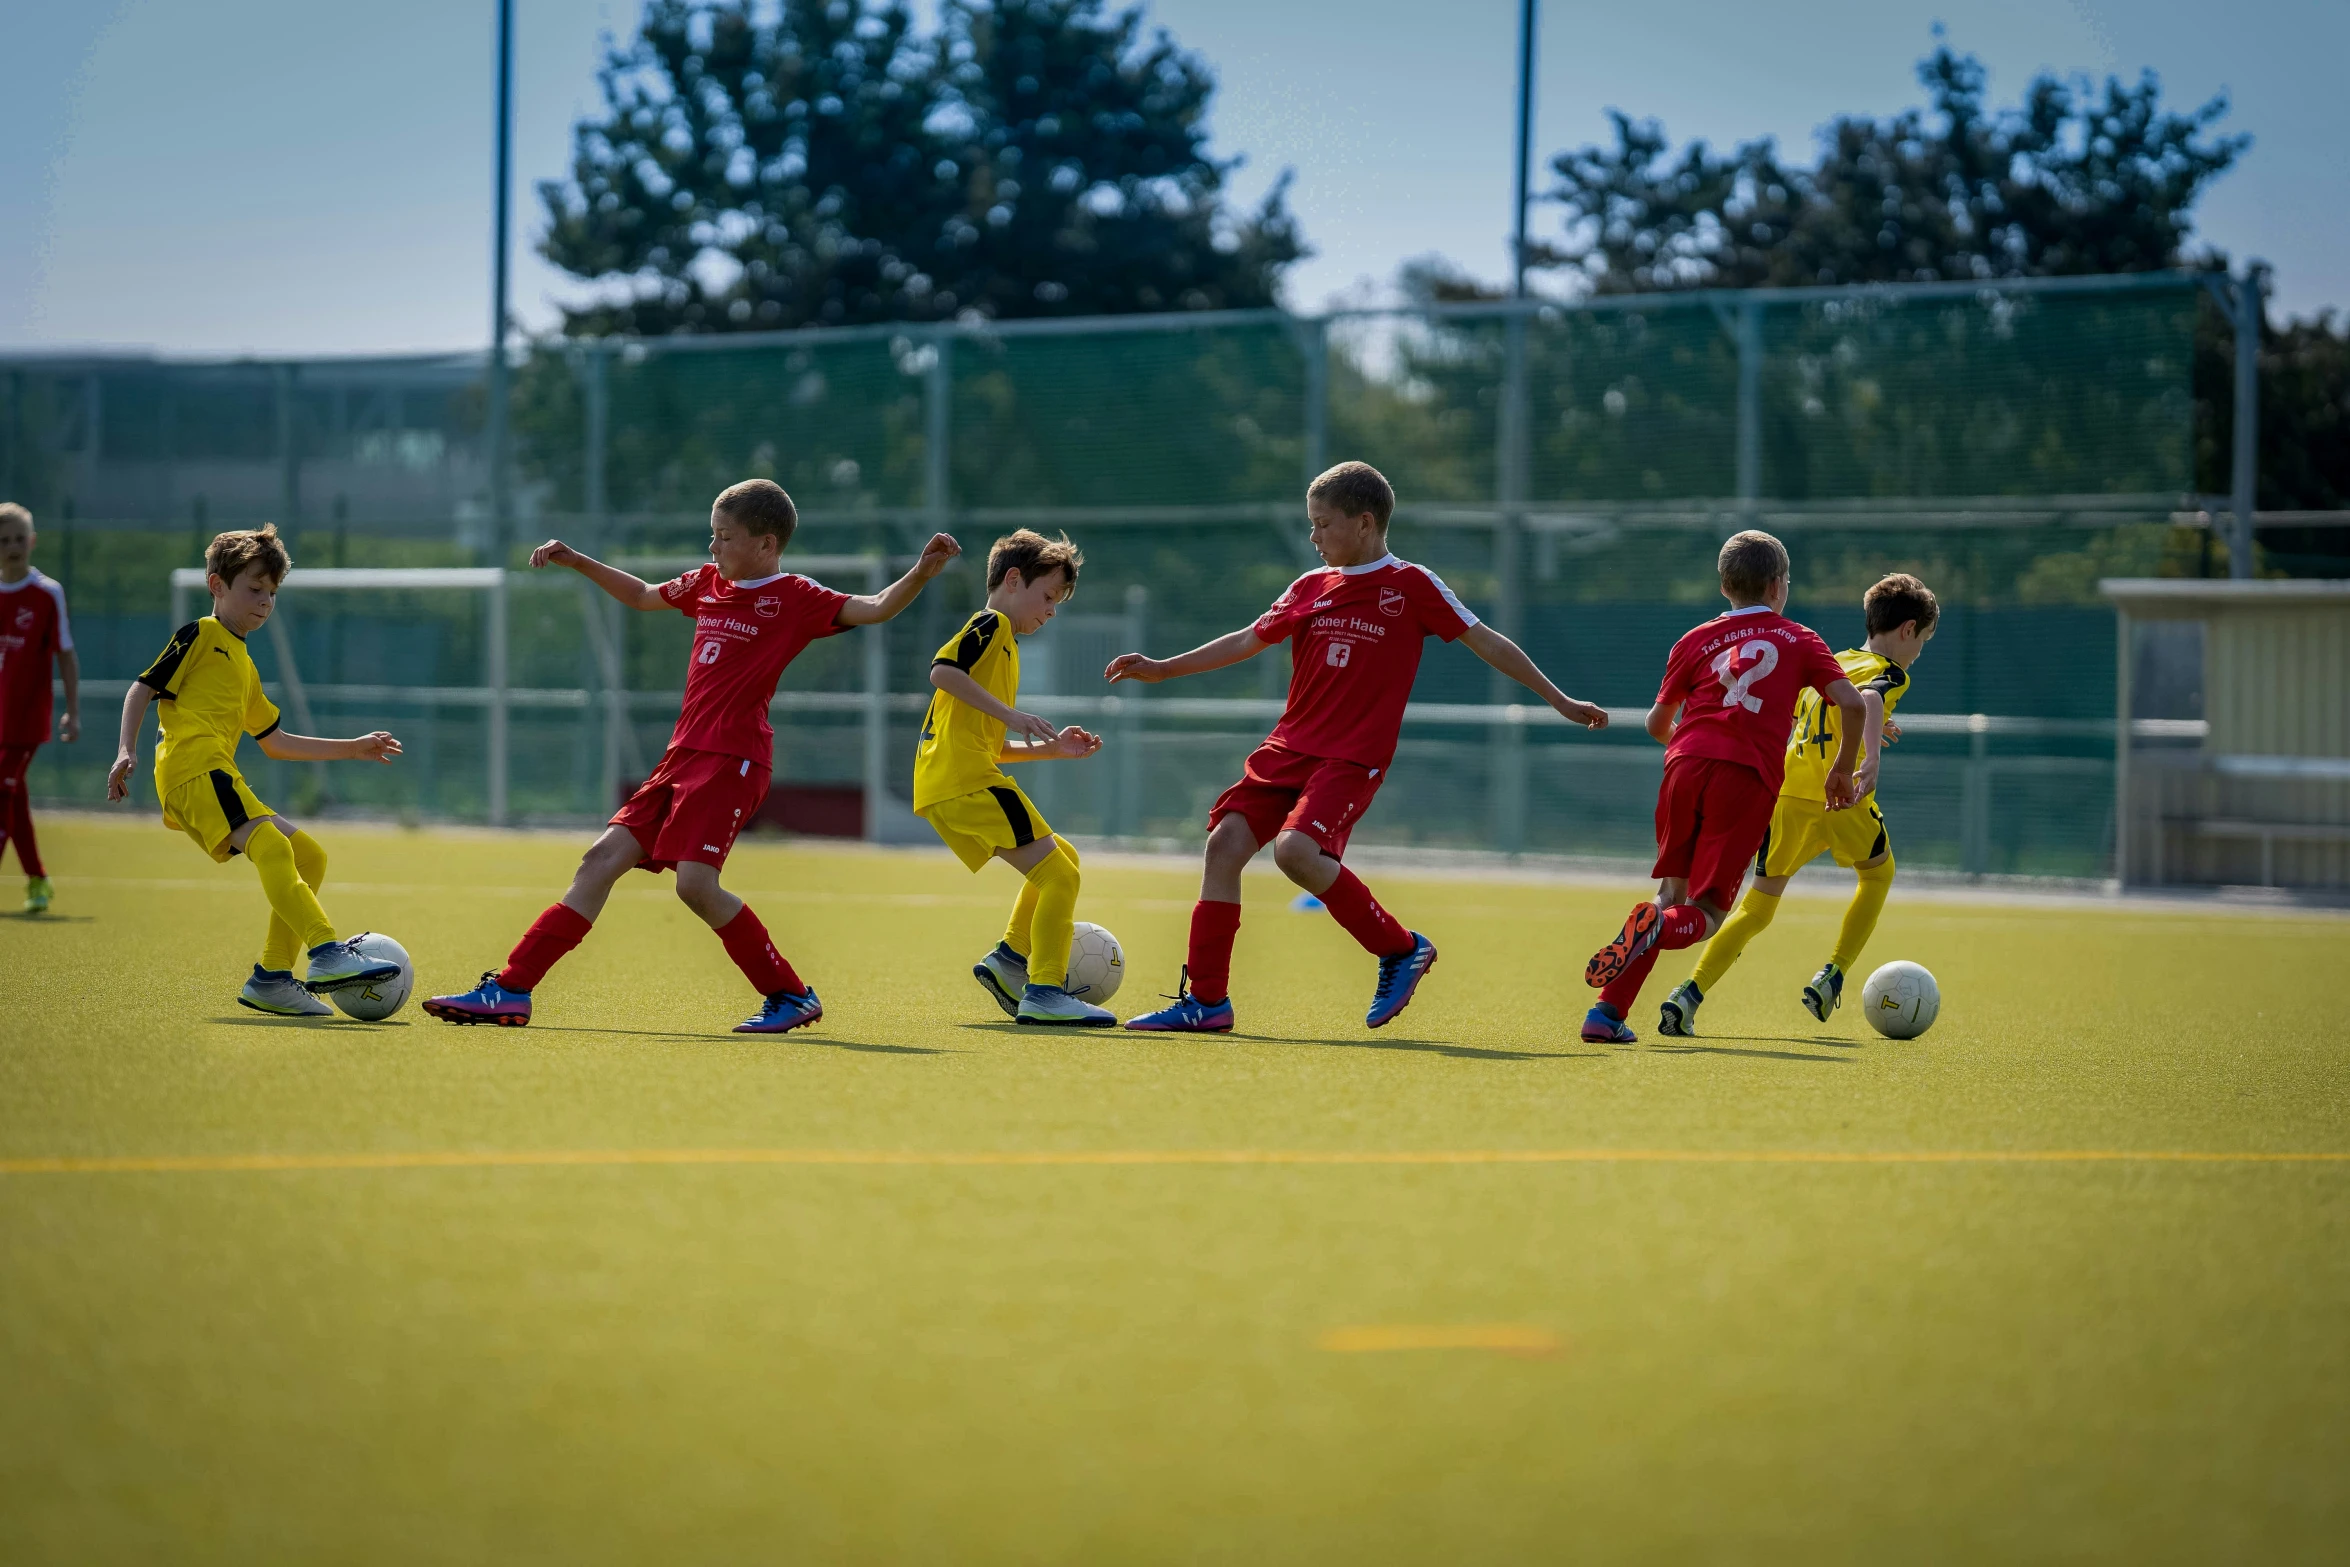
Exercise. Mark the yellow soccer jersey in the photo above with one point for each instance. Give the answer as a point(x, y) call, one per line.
point(1813, 747)
point(960, 744)
point(207, 693)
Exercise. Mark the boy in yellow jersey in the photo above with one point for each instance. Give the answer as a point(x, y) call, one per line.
point(1901, 613)
point(961, 789)
point(210, 695)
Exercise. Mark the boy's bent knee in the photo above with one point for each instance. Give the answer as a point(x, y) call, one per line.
point(1296, 853)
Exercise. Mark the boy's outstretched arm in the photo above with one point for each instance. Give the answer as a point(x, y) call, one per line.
point(959, 685)
point(1506, 656)
point(374, 747)
point(865, 609)
point(1070, 744)
point(134, 713)
point(1852, 718)
point(632, 591)
point(1231, 648)
point(1872, 732)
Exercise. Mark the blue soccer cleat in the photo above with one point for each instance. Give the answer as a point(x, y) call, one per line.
point(1050, 1006)
point(487, 1002)
point(1677, 1017)
point(1601, 1026)
point(784, 1012)
point(1188, 1015)
point(277, 992)
point(1003, 974)
point(1825, 992)
point(340, 965)
point(1399, 980)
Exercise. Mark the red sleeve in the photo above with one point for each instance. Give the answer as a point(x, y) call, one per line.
point(684, 594)
point(1822, 670)
point(1675, 688)
point(1275, 624)
point(818, 607)
point(1441, 614)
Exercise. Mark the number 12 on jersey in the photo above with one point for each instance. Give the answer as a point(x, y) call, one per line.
point(1738, 684)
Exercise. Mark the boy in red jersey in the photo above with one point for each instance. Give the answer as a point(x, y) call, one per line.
point(1733, 683)
point(33, 631)
point(1355, 631)
point(751, 618)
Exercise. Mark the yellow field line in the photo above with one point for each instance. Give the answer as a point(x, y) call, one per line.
point(529, 1158)
point(1512, 1338)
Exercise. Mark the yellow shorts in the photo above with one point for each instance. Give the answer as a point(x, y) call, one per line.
point(1801, 830)
point(210, 806)
point(977, 824)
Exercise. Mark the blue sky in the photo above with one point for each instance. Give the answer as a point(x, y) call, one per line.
point(312, 176)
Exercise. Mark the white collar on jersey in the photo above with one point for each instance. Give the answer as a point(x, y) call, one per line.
point(757, 582)
point(1381, 564)
point(32, 574)
point(1747, 609)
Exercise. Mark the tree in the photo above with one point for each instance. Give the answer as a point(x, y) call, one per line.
point(2069, 181)
point(827, 164)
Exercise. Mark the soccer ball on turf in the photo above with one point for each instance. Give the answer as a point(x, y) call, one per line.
point(373, 1003)
point(1901, 1000)
point(1097, 965)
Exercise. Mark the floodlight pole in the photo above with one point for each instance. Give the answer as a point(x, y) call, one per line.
point(496, 419)
point(1526, 19)
point(1508, 758)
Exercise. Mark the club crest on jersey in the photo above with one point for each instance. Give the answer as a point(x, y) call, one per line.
point(768, 608)
point(1391, 601)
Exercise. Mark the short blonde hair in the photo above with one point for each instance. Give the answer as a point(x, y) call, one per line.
point(1750, 562)
point(11, 512)
point(1032, 555)
point(761, 506)
point(230, 554)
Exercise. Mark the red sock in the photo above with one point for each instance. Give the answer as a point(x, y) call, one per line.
point(551, 935)
point(20, 830)
point(1351, 904)
point(1213, 929)
point(1682, 925)
point(747, 943)
point(1624, 989)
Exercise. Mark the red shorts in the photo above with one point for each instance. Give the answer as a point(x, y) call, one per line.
point(692, 806)
point(1284, 790)
point(1711, 817)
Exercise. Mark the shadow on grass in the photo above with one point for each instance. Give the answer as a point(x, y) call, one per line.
point(1762, 1055)
point(1423, 1046)
point(798, 1036)
point(50, 919)
point(339, 1024)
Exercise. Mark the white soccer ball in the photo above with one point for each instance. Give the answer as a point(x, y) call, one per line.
point(1901, 1000)
point(373, 1003)
point(1097, 965)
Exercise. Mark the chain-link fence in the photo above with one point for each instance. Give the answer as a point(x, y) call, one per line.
point(1569, 470)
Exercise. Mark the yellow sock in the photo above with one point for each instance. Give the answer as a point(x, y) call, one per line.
point(1017, 933)
point(1750, 919)
point(1860, 916)
point(290, 897)
point(284, 945)
point(1050, 898)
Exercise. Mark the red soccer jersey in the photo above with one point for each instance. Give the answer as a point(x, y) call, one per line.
point(33, 630)
point(1355, 634)
point(1737, 678)
point(744, 635)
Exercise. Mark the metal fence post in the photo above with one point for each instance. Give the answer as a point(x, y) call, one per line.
point(1313, 342)
point(289, 454)
point(1750, 357)
point(2246, 476)
point(1506, 742)
point(2124, 702)
point(498, 715)
point(1125, 814)
point(938, 397)
point(1974, 799)
point(876, 708)
point(605, 626)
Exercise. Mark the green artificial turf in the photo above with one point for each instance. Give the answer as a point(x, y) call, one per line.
point(952, 1359)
